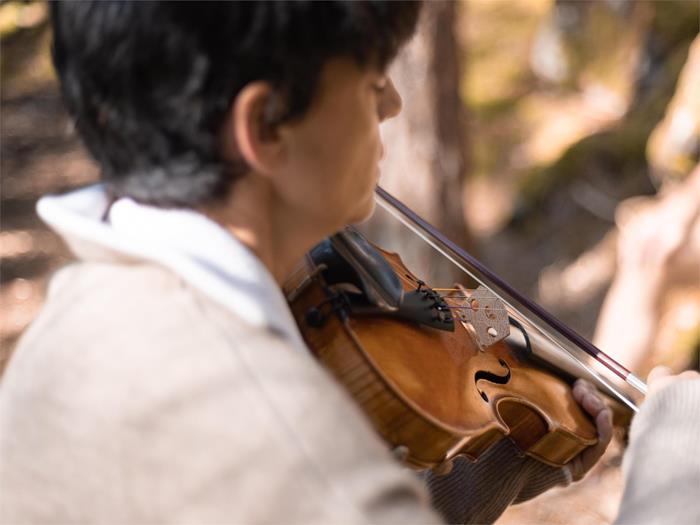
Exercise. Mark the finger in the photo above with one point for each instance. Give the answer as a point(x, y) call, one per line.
point(657, 373)
point(592, 404)
point(604, 424)
point(584, 383)
point(604, 427)
point(581, 388)
point(589, 457)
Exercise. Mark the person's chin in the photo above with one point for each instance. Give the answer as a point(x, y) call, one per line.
point(365, 212)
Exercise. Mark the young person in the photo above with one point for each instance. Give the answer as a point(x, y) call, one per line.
point(165, 379)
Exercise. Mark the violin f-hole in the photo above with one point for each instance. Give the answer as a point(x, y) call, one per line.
point(493, 378)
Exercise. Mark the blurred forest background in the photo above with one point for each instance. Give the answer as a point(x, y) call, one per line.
point(555, 140)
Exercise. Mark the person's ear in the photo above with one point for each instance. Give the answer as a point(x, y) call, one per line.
point(250, 131)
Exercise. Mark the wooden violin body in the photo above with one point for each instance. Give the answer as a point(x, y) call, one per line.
point(436, 394)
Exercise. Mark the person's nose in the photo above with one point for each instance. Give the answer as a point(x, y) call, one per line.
point(390, 102)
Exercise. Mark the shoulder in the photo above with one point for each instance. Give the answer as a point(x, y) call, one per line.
point(111, 319)
point(662, 463)
point(136, 329)
point(146, 381)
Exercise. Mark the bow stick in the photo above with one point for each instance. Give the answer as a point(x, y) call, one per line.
point(554, 330)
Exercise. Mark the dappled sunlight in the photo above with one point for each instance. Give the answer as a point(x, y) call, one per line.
point(561, 104)
point(574, 174)
point(558, 122)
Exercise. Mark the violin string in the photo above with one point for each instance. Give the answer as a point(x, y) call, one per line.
point(575, 358)
point(471, 307)
point(547, 325)
point(458, 310)
point(415, 282)
point(303, 269)
point(587, 367)
point(448, 289)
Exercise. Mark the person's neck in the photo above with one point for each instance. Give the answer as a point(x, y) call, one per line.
point(254, 214)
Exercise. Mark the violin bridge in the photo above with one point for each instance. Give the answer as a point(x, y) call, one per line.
point(487, 316)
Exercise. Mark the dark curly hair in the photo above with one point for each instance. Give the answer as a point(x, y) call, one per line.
point(149, 83)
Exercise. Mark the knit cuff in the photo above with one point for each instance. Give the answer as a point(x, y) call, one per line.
point(677, 406)
point(479, 492)
point(662, 463)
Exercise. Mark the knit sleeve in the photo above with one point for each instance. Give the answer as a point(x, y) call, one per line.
point(479, 492)
point(662, 464)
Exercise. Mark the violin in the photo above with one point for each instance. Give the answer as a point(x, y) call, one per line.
point(440, 373)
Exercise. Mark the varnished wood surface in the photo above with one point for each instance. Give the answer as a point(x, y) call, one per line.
point(418, 385)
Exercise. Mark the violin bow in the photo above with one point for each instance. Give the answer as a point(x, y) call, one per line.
point(545, 323)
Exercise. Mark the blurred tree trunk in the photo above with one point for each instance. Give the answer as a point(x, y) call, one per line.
point(425, 161)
